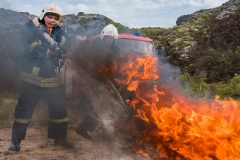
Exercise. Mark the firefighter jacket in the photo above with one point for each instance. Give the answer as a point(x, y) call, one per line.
point(38, 69)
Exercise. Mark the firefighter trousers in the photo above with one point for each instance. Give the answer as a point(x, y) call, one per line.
point(90, 121)
point(27, 101)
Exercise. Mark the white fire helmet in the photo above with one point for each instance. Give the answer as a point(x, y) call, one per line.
point(51, 8)
point(110, 30)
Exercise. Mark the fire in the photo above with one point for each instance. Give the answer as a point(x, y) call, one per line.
point(180, 127)
point(139, 69)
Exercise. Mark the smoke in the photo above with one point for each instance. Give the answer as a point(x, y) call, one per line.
point(168, 73)
point(10, 61)
point(11, 49)
point(5, 4)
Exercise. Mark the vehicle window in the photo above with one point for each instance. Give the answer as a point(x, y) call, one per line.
point(135, 46)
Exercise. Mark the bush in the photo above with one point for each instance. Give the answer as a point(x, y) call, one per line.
point(197, 84)
point(230, 89)
point(235, 84)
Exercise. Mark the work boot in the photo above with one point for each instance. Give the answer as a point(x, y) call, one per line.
point(105, 136)
point(84, 134)
point(63, 143)
point(15, 146)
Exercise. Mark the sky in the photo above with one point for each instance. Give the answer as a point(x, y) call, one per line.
point(130, 13)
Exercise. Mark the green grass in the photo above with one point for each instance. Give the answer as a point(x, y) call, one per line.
point(7, 104)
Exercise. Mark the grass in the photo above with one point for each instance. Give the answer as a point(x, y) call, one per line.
point(39, 118)
point(7, 104)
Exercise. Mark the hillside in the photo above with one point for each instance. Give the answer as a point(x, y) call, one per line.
point(205, 45)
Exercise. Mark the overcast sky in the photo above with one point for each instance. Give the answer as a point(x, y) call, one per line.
point(131, 13)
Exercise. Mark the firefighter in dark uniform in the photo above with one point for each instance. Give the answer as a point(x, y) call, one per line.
point(43, 39)
point(102, 52)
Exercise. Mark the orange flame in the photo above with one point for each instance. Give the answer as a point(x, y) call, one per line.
point(139, 69)
point(180, 127)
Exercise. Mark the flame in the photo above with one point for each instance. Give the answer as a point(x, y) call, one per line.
point(139, 69)
point(180, 127)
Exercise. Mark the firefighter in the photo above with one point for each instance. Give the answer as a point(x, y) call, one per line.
point(44, 41)
point(101, 52)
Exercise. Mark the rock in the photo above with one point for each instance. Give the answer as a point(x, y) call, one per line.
point(224, 14)
point(227, 7)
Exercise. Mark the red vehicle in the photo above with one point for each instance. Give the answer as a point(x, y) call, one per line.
point(128, 44)
point(132, 46)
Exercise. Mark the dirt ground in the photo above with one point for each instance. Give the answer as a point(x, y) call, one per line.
point(37, 147)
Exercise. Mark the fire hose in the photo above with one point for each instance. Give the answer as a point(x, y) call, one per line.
point(53, 44)
point(118, 94)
